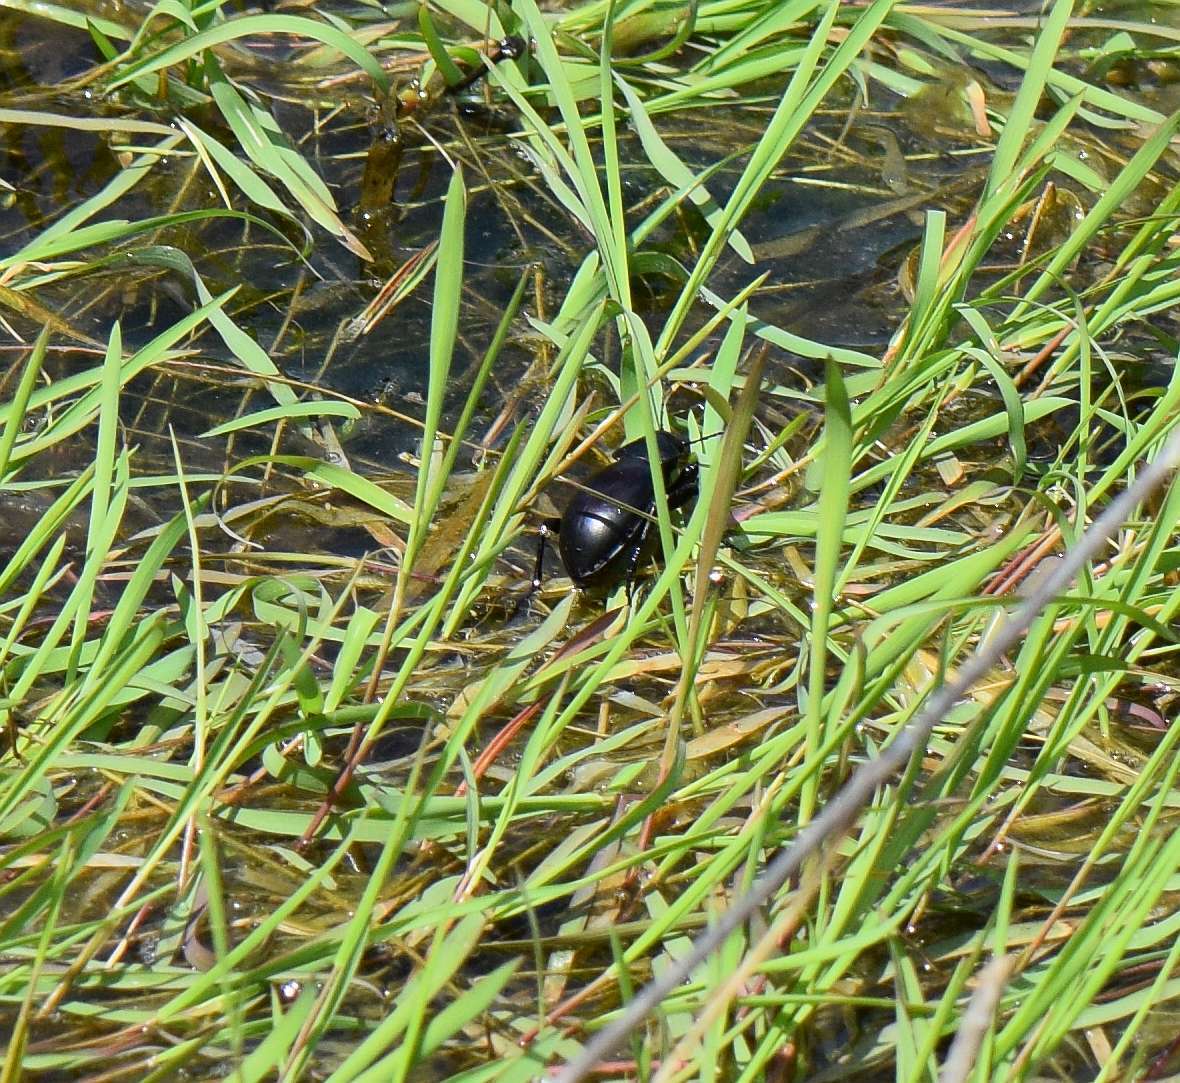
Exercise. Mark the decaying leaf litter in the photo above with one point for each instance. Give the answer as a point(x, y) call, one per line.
point(313, 361)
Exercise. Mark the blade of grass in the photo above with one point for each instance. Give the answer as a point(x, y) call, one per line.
point(832, 514)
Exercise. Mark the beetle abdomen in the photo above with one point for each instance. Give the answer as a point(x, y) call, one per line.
point(600, 529)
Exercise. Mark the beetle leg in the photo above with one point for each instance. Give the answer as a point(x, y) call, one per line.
point(633, 564)
point(548, 527)
point(686, 489)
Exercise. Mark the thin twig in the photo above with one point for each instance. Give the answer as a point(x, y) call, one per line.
point(973, 1027)
point(840, 813)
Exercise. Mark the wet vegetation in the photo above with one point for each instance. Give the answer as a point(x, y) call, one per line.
point(313, 315)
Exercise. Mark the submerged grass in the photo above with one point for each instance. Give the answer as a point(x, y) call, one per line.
point(273, 809)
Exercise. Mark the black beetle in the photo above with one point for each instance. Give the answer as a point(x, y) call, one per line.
point(609, 525)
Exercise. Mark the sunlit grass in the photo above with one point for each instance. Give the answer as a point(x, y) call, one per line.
point(189, 876)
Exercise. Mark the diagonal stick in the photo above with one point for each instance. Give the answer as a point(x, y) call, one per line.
point(841, 811)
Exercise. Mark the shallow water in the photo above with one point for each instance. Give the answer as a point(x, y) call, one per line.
point(834, 229)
